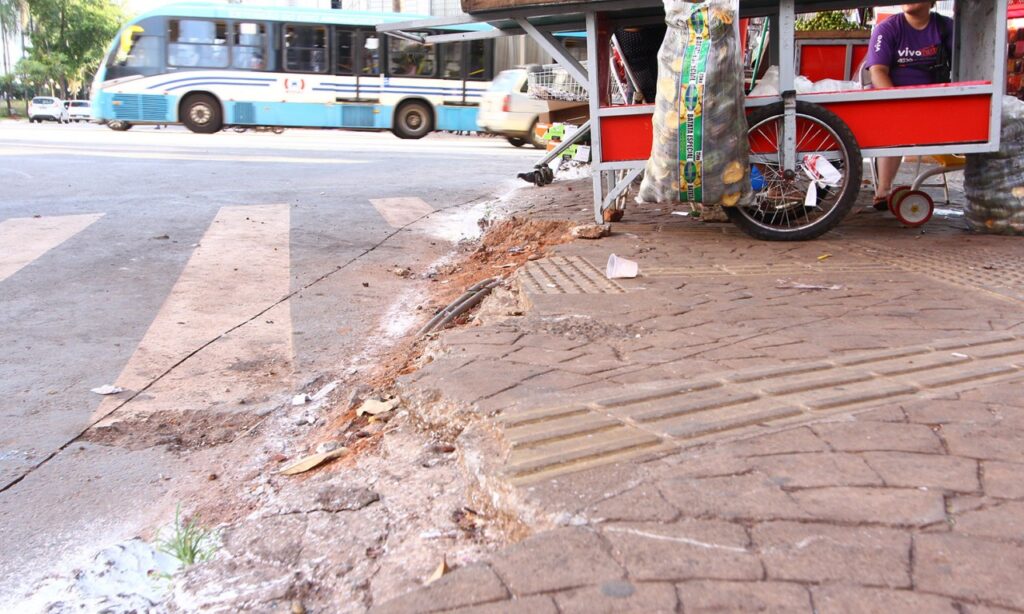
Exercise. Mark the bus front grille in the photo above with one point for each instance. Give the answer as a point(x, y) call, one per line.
point(140, 107)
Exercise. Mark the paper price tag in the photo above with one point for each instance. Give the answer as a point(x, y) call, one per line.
point(582, 153)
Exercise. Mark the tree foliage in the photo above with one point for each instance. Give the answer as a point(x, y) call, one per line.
point(69, 38)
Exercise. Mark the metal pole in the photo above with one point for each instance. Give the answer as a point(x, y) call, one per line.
point(999, 76)
point(594, 92)
point(547, 42)
point(787, 82)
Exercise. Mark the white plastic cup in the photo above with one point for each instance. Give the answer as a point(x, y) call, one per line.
point(621, 268)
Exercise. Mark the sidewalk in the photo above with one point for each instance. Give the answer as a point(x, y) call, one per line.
point(830, 426)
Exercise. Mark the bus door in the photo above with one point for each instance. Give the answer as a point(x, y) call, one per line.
point(357, 76)
point(370, 52)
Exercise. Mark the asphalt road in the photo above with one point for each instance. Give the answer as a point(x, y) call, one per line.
point(162, 262)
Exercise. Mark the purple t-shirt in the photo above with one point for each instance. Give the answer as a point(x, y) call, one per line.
point(909, 53)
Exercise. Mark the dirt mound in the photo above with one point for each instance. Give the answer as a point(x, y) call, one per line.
point(179, 431)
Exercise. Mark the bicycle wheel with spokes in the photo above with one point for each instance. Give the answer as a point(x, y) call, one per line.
point(779, 209)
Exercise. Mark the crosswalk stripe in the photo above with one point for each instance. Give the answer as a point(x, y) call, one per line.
point(137, 155)
point(23, 239)
point(398, 212)
point(241, 266)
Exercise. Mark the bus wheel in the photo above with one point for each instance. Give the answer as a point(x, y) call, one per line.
point(413, 121)
point(118, 125)
point(201, 113)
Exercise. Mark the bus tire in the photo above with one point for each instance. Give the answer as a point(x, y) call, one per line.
point(118, 125)
point(201, 113)
point(413, 120)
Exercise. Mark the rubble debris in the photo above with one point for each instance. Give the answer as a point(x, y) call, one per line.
point(375, 407)
point(300, 399)
point(591, 231)
point(327, 446)
point(321, 394)
point(107, 389)
point(309, 462)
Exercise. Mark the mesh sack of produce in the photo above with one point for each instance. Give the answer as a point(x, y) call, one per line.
point(994, 182)
point(700, 152)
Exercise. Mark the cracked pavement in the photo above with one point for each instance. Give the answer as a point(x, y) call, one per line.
point(717, 439)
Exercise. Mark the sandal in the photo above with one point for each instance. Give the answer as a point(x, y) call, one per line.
point(881, 204)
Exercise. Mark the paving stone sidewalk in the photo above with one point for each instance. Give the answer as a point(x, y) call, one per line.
point(830, 426)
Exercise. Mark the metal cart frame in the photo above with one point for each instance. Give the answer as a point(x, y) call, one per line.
point(974, 100)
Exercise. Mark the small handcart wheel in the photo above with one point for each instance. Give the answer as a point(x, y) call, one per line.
point(777, 210)
point(913, 208)
point(896, 194)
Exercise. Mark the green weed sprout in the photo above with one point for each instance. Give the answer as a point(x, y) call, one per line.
point(189, 542)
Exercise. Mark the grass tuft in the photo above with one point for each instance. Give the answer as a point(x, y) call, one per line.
point(189, 542)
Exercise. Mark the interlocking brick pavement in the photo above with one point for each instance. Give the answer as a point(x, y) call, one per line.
point(717, 438)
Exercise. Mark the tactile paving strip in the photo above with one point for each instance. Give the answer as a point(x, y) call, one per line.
point(786, 269)
point(969, 266)
point(566, 275)
point(550, 441)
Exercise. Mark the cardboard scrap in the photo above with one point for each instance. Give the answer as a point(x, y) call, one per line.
point(439, 572)
point(308, 462)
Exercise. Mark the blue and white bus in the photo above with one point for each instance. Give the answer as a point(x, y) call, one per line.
point(211, 65)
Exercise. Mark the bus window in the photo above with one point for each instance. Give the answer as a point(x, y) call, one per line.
point(478, 68)
point(343, 43)
point(197, 43)
point(250, 46)
point(369, 64)
point(305, 49)
point(406, 58)
point(452, 54)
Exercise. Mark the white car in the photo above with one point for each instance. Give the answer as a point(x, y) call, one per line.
point(79, 110)
point(42, 108)
point(506, 109)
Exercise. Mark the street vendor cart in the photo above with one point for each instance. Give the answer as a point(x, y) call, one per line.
point(785, 130)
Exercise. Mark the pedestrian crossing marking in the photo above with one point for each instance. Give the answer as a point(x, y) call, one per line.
point(240, 268)
point(399, 212)
point(24, 239)
point(140, 155)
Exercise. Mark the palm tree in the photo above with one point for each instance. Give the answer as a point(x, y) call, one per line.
point(12, 14)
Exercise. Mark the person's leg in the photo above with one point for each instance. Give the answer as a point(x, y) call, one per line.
point(887, 169)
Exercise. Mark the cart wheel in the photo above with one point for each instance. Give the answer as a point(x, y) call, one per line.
point(776, 211)
point(913, 208)
point(894, 197)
